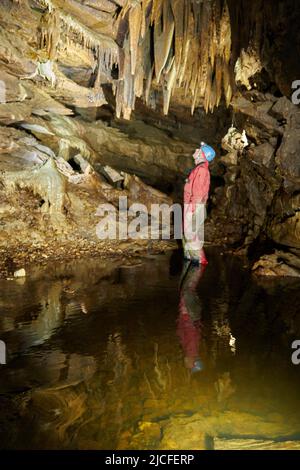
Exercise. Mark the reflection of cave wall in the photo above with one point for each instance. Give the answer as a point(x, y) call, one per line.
point(100, 368)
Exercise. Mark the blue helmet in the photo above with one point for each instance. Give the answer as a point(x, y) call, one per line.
point(197, 366)
point(208, 152)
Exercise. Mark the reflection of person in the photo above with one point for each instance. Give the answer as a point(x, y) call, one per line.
point(189, 320)
point(196, 191)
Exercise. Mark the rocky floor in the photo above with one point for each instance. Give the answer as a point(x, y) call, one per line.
point(20, 257)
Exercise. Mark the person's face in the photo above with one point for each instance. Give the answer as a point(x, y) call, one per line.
point(196, 154)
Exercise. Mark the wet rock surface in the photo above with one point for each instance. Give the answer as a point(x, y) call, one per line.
point(279, 263)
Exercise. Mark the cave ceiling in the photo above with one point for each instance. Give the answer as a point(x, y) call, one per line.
point(191, 52)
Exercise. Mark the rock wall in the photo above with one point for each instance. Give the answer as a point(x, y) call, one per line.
point(259, 201)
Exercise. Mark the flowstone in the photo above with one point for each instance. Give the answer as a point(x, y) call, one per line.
point(44, 181)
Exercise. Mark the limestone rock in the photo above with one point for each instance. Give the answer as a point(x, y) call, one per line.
point(262, 154)
point(44, 181)
point(254, 444)
point(247, 65)
point(283, 108)
point(273, 265)
point(20, 273)
point(257, 115)
point(11, 89)
point(288, 158)
point(139, 192)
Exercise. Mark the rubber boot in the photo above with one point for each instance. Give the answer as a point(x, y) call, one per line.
point(203, 259)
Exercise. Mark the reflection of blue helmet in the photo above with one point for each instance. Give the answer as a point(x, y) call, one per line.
point(197, 367)
point(208, 152)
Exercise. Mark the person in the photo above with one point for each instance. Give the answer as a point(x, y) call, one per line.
point(196, 192)
point(189, 325)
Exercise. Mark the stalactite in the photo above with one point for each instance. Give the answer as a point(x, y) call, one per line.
point(208, 88)
point(218, 79)
point(98, 76)
point(146, 10)
point(185, 55)
point(204, 41)
point(227, 84)
point(225, 34)
point(178, 12)
point(50, 33)
point(191, 49)
point(213, 95)
point(162, 44)
point(135, 22)
point(125, 97)
point(169, 85)
point(163, 36)
point(156, 11)
point(139, 76)
point(87, 38)
point(148, 85)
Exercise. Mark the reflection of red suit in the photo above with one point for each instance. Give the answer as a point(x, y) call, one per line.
point(189, 333)
point(189, 320)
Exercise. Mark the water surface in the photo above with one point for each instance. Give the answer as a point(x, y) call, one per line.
point(142, 354)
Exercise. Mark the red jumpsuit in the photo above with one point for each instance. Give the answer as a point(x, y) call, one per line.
point(196, 192)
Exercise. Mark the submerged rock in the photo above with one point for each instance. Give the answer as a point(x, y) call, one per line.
point(277, 264)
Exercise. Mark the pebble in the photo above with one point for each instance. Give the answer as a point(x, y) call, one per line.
point(20, 273)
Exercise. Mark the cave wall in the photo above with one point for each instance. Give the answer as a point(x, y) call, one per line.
point(136, 84)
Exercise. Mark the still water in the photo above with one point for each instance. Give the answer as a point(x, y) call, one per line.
point(143, 354)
